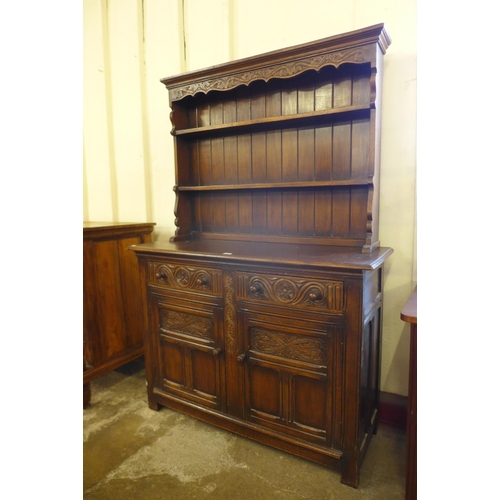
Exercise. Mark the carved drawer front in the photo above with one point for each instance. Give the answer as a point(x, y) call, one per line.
point(185, 277)
point(291, 291)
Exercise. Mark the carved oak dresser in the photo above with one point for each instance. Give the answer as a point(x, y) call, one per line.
point(264, 311)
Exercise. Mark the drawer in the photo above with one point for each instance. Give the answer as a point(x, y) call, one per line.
point(186, 278)
point(291, 291)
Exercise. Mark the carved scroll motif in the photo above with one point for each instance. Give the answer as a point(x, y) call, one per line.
point(288, 346)
point(292, 291)
point(189, 324)
point(229, 312)
point(184, 277)
point(285, 291)
point(284, 70)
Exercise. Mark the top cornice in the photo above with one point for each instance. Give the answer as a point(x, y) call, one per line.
point(284, 63)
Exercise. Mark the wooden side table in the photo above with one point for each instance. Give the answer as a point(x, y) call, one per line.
point(112, 297)
point(409, 315)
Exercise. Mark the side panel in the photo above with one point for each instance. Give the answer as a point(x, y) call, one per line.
point(113, 316)
point(370, 361)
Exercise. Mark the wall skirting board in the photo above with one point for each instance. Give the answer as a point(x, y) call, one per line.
point(392, 409)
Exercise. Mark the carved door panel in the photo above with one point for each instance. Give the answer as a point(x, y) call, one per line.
point(190, 353)
point(289, 385)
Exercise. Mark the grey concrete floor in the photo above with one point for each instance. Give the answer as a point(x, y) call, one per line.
point(131, 452)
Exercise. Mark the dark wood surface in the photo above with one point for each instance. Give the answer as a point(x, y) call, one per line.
point(333, 258)
point(264, 311)
point(409, 315)
point(112, 308)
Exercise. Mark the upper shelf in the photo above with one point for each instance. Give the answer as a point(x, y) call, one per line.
point(284, 120)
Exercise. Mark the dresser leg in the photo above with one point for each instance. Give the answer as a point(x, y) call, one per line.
point(153, 405)
point(86, 395)
point(349, 472)
point(86, 388)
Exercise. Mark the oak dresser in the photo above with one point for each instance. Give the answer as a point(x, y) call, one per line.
point(264, 310)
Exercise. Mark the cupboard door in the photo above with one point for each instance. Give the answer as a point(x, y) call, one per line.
point(190, 352)
point(289, 385)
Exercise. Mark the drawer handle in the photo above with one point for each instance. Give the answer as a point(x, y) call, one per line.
point(316, 295)
point(217, 351)
point(202, 281)
point(256, 288)
point(241, 357)
point(161, 275)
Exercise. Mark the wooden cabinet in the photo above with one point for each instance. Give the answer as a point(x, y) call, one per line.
point(264, 309)
point(112, 308)
point(409, 315)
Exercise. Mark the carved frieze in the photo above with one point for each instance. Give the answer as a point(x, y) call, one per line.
point(283, 70)
point(186, 277)
point(285, 345)
point(187, 324)
point(291, 291)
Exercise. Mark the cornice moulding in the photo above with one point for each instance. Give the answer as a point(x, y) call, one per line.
point(281, 63)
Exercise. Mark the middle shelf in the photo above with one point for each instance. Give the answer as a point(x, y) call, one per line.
point(281, 185)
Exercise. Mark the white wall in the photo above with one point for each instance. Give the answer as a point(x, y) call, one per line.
point(128, 151)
